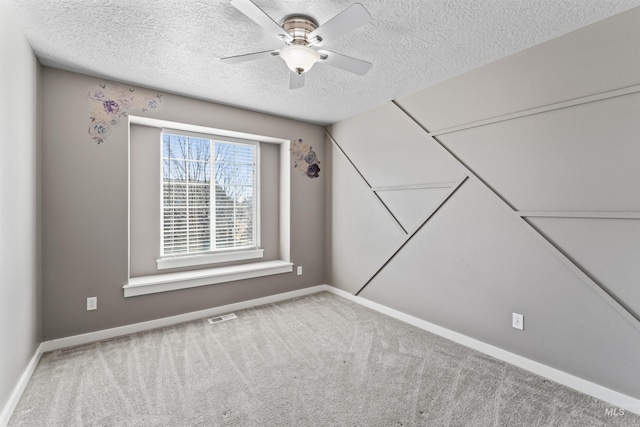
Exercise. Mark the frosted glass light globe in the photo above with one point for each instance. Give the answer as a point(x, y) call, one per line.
point(299, 58)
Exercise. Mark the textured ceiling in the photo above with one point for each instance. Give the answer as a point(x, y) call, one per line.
point(176, 46)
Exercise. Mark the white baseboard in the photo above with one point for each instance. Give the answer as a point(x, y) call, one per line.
point(605, 394)
point(11, 404)
point(173, 320)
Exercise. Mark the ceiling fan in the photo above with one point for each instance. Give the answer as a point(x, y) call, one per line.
point(302, 37)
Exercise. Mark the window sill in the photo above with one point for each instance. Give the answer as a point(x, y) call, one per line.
point(188, 261)
point(188, 279)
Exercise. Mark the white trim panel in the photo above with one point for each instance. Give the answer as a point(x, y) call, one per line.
point(285, 200)
point(159, 123)
point(565, 214)
point(11, 404)
point(538, 110)
point(209, 258)
point(416, 186)
point(600, 392)
point(210, 136)
point(188, 279)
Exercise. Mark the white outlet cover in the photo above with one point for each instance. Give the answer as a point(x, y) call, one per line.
point(299, 270)
point(92, 303)
point(518, 321)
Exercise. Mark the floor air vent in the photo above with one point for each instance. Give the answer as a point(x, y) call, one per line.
point(222, 318)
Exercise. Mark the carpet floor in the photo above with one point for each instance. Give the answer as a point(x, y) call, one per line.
point(319, 360)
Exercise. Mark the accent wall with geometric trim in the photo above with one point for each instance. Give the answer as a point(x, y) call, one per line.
point(511, 188)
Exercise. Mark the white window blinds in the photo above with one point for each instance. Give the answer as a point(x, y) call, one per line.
point(209, 194)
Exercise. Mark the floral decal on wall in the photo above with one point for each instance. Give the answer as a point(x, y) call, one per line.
point(305, 159)
point(109, 104)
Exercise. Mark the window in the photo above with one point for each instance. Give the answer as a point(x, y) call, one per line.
point(191, 189)
point(209, 195)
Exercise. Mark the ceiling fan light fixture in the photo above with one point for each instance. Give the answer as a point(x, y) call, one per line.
point(299, 58)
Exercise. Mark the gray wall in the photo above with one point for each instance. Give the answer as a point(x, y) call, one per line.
point(409, 231)
point(20, 290)
point(85, 194)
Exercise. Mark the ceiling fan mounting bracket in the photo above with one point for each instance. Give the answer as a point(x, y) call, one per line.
point(299, 27)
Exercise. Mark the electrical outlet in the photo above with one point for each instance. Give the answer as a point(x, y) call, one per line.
point(518, 321)
point(299, 270)
point(92, 303)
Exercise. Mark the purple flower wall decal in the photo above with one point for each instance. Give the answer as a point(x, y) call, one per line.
point(313, 171)
point(99, 129)
point(305, 159)
point(108, 104)
point(96, 93)
point(311, 156)
point(111, 107)
point(151, 104)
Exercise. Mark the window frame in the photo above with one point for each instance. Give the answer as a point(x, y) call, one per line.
point(211, 256)
point(164, 282)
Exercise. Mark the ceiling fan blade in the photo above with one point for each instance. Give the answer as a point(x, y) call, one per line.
point(346, 21)
point(249, 56)
point(250, 9)
point(296, 80)
point(345, 62)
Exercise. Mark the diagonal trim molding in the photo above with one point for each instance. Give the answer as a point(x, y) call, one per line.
point(575, 268)
point(414, 217)
point(572, 261)
point(365, 181)
point(429, 216)
point(537, 110)
point(454, 186)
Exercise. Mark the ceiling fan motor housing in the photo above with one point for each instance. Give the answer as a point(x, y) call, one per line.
point(299, 27)
point(298, 55)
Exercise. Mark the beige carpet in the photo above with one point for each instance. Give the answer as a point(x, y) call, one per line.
point(314, 361)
